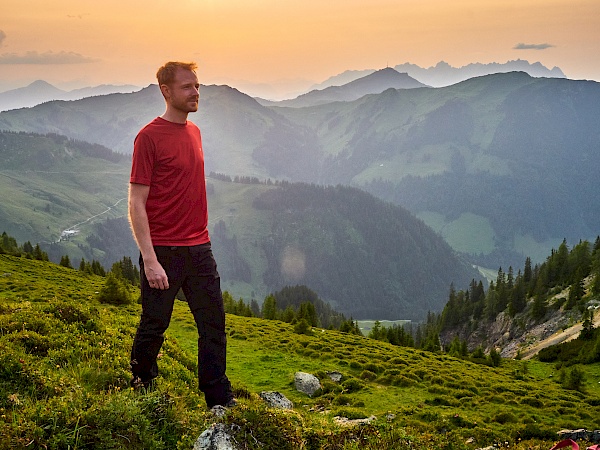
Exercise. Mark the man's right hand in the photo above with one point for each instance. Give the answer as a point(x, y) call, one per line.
point(156, 275)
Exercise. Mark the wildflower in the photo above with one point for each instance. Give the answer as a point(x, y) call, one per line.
point(14, 398)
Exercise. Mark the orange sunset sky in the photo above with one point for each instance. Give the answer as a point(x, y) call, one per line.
point(288, 44)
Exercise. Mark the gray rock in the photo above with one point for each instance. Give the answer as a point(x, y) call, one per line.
point(306, 383)
point(580, 434)
point(335, 376)
point(218, 410)
point(216, 437)
point(276, 400)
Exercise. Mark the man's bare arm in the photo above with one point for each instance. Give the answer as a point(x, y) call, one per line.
point(138, 218)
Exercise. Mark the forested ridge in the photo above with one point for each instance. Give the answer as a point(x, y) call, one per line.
point(32, 151)
point(369, 258)
point(529, 296)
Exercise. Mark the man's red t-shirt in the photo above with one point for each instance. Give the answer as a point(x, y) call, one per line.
point(168, 157)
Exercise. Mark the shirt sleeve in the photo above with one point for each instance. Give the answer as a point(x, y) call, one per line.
point(142, 163)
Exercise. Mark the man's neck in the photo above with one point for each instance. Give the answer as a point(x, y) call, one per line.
point(175, 116)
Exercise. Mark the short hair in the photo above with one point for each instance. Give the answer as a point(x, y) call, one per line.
point(166, 74)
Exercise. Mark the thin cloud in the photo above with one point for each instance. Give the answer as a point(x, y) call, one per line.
point(2, 37)
point(522, 46)
point(34, 57)
point(77, 16)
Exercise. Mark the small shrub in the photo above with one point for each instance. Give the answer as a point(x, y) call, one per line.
point(34, 343)
point(342, 400)
point(303, 327)
point(505, 417)
point(328, 386)
point(368, 375)
point(373, 368)
point(352, 385)
point(536, 431)
point(398, 362)
point(460, 422)
point(403, 381)
point(115, 291)
point(355, 365)
point(532, 401)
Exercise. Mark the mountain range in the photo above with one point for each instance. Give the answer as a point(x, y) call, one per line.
point(503, 166)
point(443, 74)
point(41, 91)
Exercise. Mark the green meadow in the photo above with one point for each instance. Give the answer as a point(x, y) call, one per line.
point(64, 359)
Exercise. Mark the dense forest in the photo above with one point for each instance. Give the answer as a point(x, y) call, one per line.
point(356, 248)
point(512, 291)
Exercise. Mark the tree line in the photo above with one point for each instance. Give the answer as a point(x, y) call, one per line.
point(297, 305)
point(512, 292)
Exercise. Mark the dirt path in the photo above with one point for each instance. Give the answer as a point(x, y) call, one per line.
point(560, 336)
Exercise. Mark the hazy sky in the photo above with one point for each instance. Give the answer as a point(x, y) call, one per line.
point(289, 44)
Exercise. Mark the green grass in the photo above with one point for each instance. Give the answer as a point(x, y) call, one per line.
point(64, 382)
point(468, 233)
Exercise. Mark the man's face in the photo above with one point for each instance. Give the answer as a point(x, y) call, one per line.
point(183, 94)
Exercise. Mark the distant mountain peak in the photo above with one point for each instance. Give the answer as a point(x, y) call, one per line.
point(37, 83)
point(373, 83)
point(41, 91)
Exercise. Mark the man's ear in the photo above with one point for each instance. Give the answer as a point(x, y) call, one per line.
point(166, 92)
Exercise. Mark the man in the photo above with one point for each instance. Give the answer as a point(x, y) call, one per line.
point(169, 218)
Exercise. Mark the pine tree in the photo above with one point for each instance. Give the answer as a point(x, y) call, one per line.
point(539, 307)
point(378, 332)
point(269, 308)
point(28, 248)
point(65, 261)
point(39, 254)
point(114, 291)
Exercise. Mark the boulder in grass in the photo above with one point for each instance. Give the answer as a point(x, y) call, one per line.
point(306, 383)
point(216, 437)
point(276, 400)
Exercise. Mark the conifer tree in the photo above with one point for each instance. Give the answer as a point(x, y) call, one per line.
point(269, 308)
point(39, 254)
point(114, 291)
point(28, 248)
point(65, 261)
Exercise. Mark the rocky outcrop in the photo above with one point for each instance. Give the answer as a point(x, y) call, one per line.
point(520, 335)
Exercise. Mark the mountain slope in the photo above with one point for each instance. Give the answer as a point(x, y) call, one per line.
point(50, 183)
point(470, 159)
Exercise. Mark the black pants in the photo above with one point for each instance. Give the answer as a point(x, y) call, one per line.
point(194, 270)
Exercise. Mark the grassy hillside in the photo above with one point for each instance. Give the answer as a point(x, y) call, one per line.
point(51, 183)
point(64, 373)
